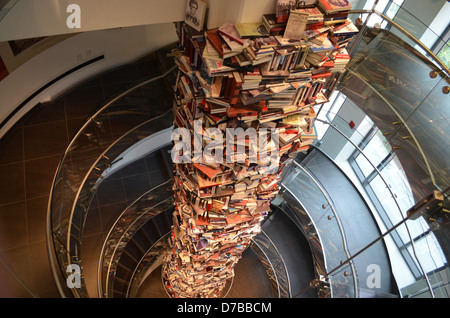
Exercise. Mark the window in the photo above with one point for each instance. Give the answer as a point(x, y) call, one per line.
point(444, 54)
point(437, 36)
point(328, 111)
point(378, 150)
point(387, 7)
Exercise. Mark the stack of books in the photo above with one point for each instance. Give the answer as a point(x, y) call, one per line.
point(246, 77)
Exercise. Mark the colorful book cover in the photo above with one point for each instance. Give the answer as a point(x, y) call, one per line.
point(251, 29)
point(335, 5)
point(348, 28)
point(283, 9)
point(229, 30)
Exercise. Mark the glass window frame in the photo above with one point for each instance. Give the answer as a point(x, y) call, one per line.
point(443, 41)
point(365, 181)
point(385, 10)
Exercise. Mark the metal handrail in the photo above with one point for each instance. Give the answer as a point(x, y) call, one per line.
point(409, 35)
point(101, 260)
point(49, 225)
point(341, 229)
point(281, 258)
point(393, 197)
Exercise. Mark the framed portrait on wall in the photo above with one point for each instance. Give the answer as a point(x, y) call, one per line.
point(195, 14)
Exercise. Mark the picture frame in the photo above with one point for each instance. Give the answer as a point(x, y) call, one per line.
point(195, 14)
point(306, 4)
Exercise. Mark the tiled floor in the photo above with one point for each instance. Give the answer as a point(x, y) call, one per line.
point(29, 156)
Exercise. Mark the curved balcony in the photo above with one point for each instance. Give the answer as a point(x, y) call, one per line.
point(140, 120)
point(400, 85)
point(408, 118)
point(127, 119)
point(136, 243)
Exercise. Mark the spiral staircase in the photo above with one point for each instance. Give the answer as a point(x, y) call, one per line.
point(110, 206)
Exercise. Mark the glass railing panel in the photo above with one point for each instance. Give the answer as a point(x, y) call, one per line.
point(404, 94)
point(430, 38)
point(138, 133)
point(118, 243)
point(148, 263)
point(261, 245)
point(429, 252)
point(390, 185)
point(137, 106)
point(414, 26)
point(390, 78)
point(332, 239)
point(81, 154)
point(354, 216)
point(125, 120)
point(154, 202)
point(395, 16)
point(93, 177)
point(398, 73)
point(270, 254)
point(430, 125)
point(300, 217)
point(102, 128)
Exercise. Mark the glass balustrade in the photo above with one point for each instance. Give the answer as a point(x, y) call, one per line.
point(370, 162)
point(430, 40)
point(301, 188)
point(261, 244)
point(140, 111)
point(152, 203)
point(398, 77)
point(401, 89)
point(273, 262)
point(141, 211)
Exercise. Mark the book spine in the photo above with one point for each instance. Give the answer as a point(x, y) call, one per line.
point(235, 88)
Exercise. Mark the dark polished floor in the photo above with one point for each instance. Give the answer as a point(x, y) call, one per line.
point(29, 156)
point(116, 192)
point(247, 283)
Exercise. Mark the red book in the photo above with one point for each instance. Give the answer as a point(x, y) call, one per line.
point(235, 88)
point(218, 44)
point(229, 30)
point(335, 6)
point(241, 111)
point(328, 63)
point(321, 75)
point(210, 172)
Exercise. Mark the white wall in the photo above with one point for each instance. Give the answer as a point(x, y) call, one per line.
point(234, 11)
point(145, 25)
point(34, 18)
point(119, 46)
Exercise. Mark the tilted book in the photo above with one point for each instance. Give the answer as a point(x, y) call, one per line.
point(330, 6)
point(229, 30)
point(251, 29)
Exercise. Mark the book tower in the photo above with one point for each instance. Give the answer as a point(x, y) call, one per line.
point(244, 105)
